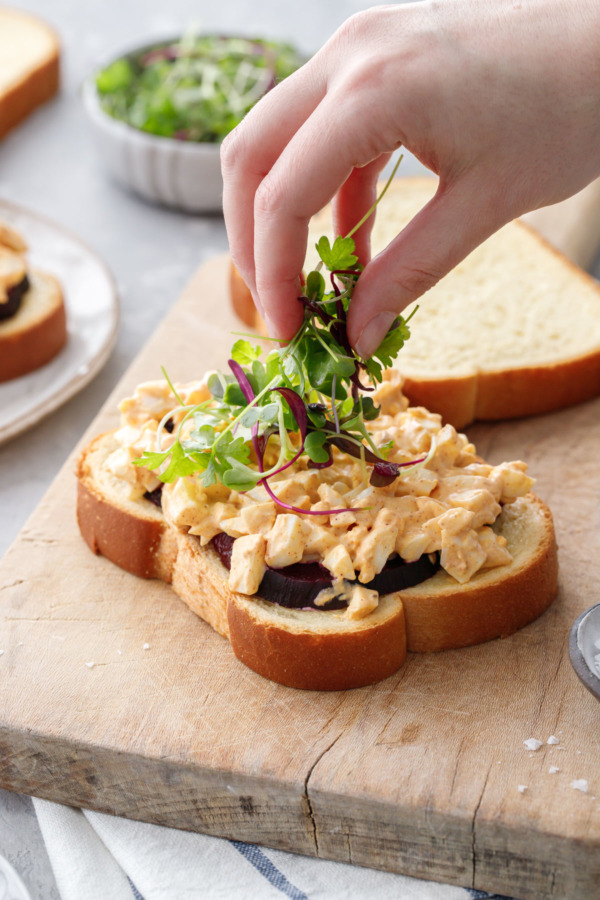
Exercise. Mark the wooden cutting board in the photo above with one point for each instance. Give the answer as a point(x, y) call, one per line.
point(114, 696)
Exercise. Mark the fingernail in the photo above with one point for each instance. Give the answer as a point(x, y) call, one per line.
point(271, 327)
point(373, 333)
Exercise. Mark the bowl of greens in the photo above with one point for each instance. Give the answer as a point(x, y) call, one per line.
point(161, 111)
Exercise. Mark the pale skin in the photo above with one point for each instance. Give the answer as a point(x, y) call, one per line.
point(499, 98)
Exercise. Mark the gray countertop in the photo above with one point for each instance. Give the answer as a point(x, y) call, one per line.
point(48, 165)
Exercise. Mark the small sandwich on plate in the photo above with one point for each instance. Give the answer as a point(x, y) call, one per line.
point(304, 510)
point(32, 312)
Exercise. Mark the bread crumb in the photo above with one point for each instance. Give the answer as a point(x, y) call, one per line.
point(521, 788)
point(146, 646)
point(532, 744)
point(553, 770)
point(90, 665)
point(580, 784)
point(553, 740)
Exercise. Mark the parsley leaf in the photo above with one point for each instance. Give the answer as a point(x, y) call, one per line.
point(393, 342)
point(340, 256)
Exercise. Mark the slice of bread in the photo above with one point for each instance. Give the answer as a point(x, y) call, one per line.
point(315, 649)
point(29, 66)
point(513, 330)
point(37, 332)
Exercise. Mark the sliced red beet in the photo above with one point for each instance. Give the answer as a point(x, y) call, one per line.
point(297, 586)
point(155, 496)
point(15, 295)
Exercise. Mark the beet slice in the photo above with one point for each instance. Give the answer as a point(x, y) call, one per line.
point(15, 295)
point(155, 496)
point(297, 586)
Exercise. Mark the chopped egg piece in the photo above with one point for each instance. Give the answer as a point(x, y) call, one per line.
point(247, 563)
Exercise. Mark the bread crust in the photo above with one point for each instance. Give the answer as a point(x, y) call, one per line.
point(313, 649)
point(134, 537)
point(27, 343)
point(442, 615)
point(318, 660)
point(36, 86)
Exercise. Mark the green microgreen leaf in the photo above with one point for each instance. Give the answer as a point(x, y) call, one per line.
point(314, 446)
point(340, 256)
point(244, 353)
point(181, 464)
point(234, 396)
point(315, 285)
point(254, 414)
point(393, 342)
point(151, 460)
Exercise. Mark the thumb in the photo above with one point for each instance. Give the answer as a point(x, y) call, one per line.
point(455, 221)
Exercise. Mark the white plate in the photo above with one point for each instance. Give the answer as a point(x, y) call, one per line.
point(92, 321)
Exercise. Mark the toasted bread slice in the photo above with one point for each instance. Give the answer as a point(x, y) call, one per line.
point(37, 332)
point(513, 330)
point(315, 649)
point(29, 66)
point(131, 533)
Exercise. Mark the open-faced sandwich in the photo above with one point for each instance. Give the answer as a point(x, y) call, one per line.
point(306, 512)
point(32, 312)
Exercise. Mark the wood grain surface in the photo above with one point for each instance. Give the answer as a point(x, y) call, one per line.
point(418, 774)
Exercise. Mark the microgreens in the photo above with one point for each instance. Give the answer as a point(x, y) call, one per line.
point(308, 393)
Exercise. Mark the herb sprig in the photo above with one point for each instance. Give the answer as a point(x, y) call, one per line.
point(311, 394)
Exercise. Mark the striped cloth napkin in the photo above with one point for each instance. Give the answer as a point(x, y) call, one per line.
point(95, 856)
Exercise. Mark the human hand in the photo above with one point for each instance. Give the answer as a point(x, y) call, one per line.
point(500, 99)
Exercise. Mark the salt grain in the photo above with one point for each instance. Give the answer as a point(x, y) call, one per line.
point(553, 740)
point(521, 788)
point(146, 646)
point(580, 784)
point(532, 744)
point(90, 665)
point(553, 770)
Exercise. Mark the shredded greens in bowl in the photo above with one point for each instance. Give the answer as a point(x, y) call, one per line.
point(197, 88)
point(309, 396)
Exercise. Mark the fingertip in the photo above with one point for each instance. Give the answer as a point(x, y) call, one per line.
point(372, 333)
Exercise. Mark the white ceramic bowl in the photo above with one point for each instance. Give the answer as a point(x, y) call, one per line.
point(174, 173)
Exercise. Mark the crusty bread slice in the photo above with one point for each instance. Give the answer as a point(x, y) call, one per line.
point(314, 649)
point(513, 330)
point(131, 533)
point(36, 333)
point(29, 66)
point(441, 615)
point(325, 651)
